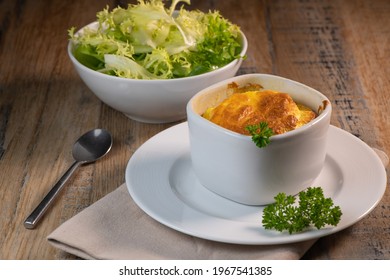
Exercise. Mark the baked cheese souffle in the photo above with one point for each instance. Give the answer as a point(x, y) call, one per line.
point(251, 104)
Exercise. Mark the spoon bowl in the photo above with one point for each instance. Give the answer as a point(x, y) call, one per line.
point(90, 147)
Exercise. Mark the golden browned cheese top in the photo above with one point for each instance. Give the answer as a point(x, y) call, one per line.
point(277, 109)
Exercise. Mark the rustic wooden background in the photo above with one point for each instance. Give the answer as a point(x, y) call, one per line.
point(340, 47)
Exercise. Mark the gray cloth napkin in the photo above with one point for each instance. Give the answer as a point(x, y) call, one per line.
point(116, 228)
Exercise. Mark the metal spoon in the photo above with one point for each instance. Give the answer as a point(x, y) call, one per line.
point(88, 148)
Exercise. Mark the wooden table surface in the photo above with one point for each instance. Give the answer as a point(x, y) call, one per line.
point(338, 47)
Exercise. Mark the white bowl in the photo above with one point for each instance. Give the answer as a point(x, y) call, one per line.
point(151, 101)
point(231, 165)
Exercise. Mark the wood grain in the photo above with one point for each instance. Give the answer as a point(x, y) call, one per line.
point(340, 47)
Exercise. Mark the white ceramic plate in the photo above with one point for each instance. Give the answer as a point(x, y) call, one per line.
point(161, 181)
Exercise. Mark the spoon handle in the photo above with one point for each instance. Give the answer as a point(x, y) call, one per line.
point(38, 212)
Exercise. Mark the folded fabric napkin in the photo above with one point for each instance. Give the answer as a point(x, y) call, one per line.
point(116, 228)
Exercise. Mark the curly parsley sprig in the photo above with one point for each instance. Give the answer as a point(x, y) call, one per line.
point(313, 209)
point(261, 134)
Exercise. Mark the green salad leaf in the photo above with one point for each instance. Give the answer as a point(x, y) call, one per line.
point(148, 41)
point(313, 209)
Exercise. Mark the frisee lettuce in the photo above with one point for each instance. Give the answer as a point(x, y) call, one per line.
point(149, 41)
